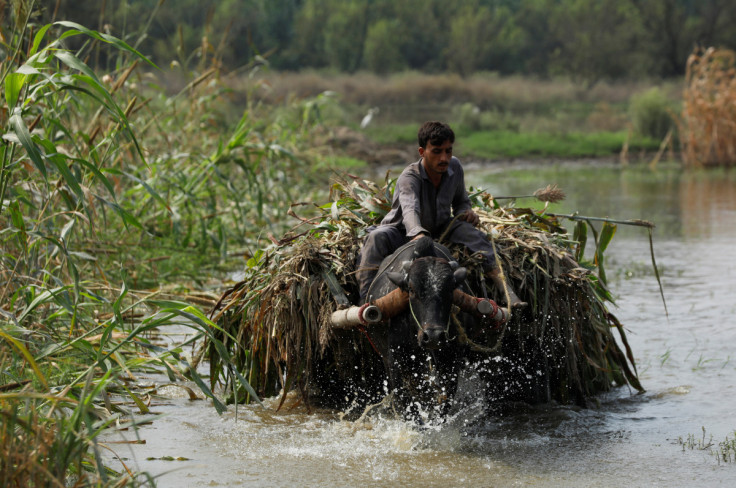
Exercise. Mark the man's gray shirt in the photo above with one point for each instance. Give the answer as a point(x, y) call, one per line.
point(418, 206)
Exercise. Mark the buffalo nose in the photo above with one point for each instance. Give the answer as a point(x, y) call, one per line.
point(433, 337)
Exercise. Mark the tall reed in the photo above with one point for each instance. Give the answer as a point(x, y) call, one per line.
point(707, 127)
point(116, 197)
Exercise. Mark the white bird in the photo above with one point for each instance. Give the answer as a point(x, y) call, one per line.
point(369, 116)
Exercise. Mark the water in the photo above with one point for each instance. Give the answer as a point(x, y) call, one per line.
point(686, 363)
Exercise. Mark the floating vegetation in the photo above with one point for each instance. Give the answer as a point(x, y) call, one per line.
point(276, 321)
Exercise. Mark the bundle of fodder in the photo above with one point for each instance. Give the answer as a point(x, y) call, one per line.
point(276, 322)
point(708, 125)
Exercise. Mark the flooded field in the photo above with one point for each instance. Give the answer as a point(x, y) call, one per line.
point(668, 436)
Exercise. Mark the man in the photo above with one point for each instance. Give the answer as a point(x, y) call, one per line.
point(428, 194)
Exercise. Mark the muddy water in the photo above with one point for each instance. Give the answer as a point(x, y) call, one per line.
point(687, 363)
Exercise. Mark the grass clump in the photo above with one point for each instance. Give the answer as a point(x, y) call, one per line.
point(724, 452)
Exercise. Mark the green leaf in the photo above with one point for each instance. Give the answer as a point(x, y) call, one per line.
point(139, 403)
point(25, 139)
point(98, 174)
point(581, 236)
point(255, 259)
point(603, 240)
point(607, 233)
point(76, 29)
point(150, 191)
point(66, 230)
point(37, 39)
point(74, 62)
point(16, 217)
point(127, 217)
point(13, 85)
point(59, 160)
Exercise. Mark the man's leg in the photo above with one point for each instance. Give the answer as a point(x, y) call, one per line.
point(476, 241)
point(379, 243)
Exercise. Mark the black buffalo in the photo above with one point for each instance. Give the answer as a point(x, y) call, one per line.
point(419, 345)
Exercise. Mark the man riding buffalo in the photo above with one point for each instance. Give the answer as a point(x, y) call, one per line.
point(429, 197)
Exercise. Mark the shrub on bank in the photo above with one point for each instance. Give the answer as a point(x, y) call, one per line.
point(651, 113)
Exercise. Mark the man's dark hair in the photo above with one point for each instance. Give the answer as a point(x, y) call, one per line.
point(436, 133)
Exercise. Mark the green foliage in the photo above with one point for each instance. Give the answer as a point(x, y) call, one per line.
point(109, 186)
point(595, 39)
point(651, 113)
point(583, 39)
point(345, 32)
point(382, 53)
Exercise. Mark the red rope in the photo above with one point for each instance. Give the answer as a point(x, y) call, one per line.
point(364, 331)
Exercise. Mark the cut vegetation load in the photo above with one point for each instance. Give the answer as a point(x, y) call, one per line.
point(566, 346)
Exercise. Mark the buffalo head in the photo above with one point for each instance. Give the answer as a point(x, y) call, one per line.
point(430, 283)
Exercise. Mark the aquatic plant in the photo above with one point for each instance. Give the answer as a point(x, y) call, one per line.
point(724, 452)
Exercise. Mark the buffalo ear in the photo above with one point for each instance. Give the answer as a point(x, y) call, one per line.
point(460, 274)
point(405, 266)
point(398, 279)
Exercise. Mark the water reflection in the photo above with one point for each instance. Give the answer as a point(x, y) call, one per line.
point(682, 203)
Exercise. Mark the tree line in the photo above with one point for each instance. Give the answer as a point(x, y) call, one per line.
point(584, 39)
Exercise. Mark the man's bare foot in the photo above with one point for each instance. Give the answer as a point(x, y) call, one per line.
point(514, 301)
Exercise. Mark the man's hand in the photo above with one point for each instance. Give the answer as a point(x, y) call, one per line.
point(470, 217)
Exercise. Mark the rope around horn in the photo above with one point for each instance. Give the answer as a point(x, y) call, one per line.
point(464, 339)
point(502, 273)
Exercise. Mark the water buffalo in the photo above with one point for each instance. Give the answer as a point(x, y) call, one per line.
point(415, 289)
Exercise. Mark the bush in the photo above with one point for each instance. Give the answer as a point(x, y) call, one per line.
point(651, 113)
point(469, 118)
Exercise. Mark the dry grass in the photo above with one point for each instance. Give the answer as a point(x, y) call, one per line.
point(27, 450)
point(708, 124)
point(485, 90)
point(280, 313)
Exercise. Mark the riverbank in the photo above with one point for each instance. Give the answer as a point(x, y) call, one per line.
point(349, 149)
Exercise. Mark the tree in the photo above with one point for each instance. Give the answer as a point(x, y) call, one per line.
point(345, 32)
point(382, 52)
point(469, 40)
point(595, 39)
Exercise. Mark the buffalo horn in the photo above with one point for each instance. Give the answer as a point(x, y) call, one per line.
point(382, 309)
point(471, 304)
point(392, 303)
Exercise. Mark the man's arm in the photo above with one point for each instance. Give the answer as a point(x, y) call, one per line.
point(461, 205)
point(408, 187)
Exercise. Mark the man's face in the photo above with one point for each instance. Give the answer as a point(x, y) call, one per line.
point(436, 159)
